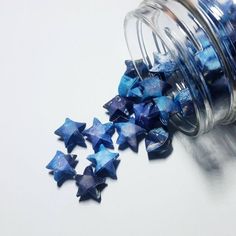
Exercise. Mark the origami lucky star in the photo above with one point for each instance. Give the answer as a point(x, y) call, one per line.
point(166, 107)
point(100, 134)
point(70, 133)
point(143, 115)
point(127, 84)
point(104, 162)
point(62, 167)
point(141, 68)
point(90, 185)
point(128, 134)
point(119, 109)
point(158, 143)
point(163, 64)
point(184, 100)
point(153, 87)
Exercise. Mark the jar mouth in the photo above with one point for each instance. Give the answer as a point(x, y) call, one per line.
point(143, 40)
point(203, 52)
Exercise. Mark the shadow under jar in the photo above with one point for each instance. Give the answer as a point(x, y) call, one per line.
point(200, 36)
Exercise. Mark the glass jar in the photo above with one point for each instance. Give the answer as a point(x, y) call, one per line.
point(200, 36)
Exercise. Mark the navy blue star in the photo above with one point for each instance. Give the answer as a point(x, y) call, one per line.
point(144, 116)
point(158, 143)
point(100, 134)
point(119, 109)
point(129, 133)
point(90, 185)
point(153, 87)
point(166, 107)
point(104, 162)
point(62, 167)
point(141, 67)
point(70, 133)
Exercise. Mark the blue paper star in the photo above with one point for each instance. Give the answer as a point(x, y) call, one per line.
point(163, 63)
point(100, 134)
point(70, 133)
point(153, 87)
point(90, 185)
point(62, 167)
point(166, 107)
point(158, 143)
point(104, 162)
point(143, 115)
point(130, 69)
point(128, 134)
point(119, 109)
point(184, 100)
point(208, 60)
point(126, 85)
point(141, 67)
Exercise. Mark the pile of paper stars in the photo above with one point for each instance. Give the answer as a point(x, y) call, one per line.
point(141, 110)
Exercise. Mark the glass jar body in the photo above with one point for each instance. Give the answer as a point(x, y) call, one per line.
point(200, 36)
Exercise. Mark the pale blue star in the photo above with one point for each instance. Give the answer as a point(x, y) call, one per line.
point(104, 162)
point(128, 134)
point(100, 134)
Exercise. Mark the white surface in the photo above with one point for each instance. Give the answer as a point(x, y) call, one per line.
point(64, 58)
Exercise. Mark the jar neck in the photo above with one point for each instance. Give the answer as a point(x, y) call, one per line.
point(187, 31)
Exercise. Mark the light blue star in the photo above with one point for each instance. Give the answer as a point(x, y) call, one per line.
point(153, 87)
point(166, 107)
point(100, 134)
point(103, 161)
point(128, 134)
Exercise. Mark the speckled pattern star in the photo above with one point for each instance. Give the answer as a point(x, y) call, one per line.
point(153, 87)
point(143, 115)
point(62, 167)
point(126, 85)
point(119, 109)
point(184, 100)
point(104, 162)
point(158, 143)
point(163, 64)
point(70, 133)
point(166, 107)
point(100, 134)
point(90, 185)
point(129, 133)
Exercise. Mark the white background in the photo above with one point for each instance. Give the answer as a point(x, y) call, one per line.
point(64, 58)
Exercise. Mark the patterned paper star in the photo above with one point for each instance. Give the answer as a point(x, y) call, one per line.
point(158, 143)
point(104, 162)
point(166, 107)
point(141, 67)
point(153, 87)
point(90, 185)
point(62, 167)
point(163, 64)
point(130, 69)
point(70, 133)
point(184, 100)
point(119, 109)
point(126, 85)
point(100, 134)
point(128, 134)
point(143, 115)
